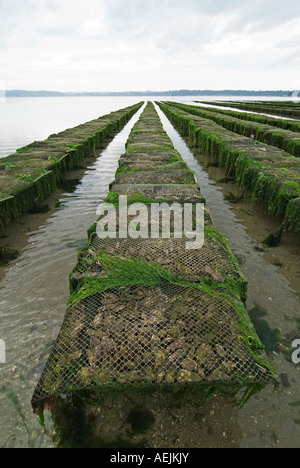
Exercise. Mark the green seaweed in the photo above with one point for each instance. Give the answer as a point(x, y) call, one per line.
point(25, 149)
point(293, 215)
point(113, 199)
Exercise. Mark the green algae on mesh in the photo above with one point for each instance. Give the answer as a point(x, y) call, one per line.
point(151, 158)
point(53, 382)
point(213, 261)
point(156, 177)
point(168, 193)
point(147, 147)
point(126, 167)
point(251, 342)
point(293, 215)
point(285, 124)
point(25, 150)
point(114, 197)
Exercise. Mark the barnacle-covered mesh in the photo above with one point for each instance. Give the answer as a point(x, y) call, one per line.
point(161, 335)
point(148, 313)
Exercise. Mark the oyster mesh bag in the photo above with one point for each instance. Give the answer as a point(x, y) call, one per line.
point(133, 323)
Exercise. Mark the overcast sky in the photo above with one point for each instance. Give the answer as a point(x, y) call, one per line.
point(159, 45)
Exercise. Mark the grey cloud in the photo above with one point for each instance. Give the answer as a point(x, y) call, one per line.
point(189, 24)
point(288, 61)
point(135, 35)
point(17, 18)
point(169, 24)
point(288, 43)
point(261, 15)
point(19, 8)
point(139, 8)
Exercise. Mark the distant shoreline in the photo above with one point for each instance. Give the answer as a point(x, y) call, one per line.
point(235, 93)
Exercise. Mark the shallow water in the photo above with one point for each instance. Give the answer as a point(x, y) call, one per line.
point(34, 294)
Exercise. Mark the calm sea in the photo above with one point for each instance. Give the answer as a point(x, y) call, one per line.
point(24, 120)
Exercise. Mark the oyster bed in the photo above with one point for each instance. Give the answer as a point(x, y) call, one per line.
point(161, 335)
point(148, 313)
point(270, 174)
point(287, 140)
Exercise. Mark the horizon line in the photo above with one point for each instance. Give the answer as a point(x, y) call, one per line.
point(204, 92)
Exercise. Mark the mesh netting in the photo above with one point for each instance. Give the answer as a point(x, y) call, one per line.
point(212, 261)
point(148, 313)
point(157, 177)
point(160, 156)
point(162, 335)
point(130, 166)
point(161, 192)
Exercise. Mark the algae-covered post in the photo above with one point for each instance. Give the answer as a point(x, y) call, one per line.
point(147, 314)
point(31, 174)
